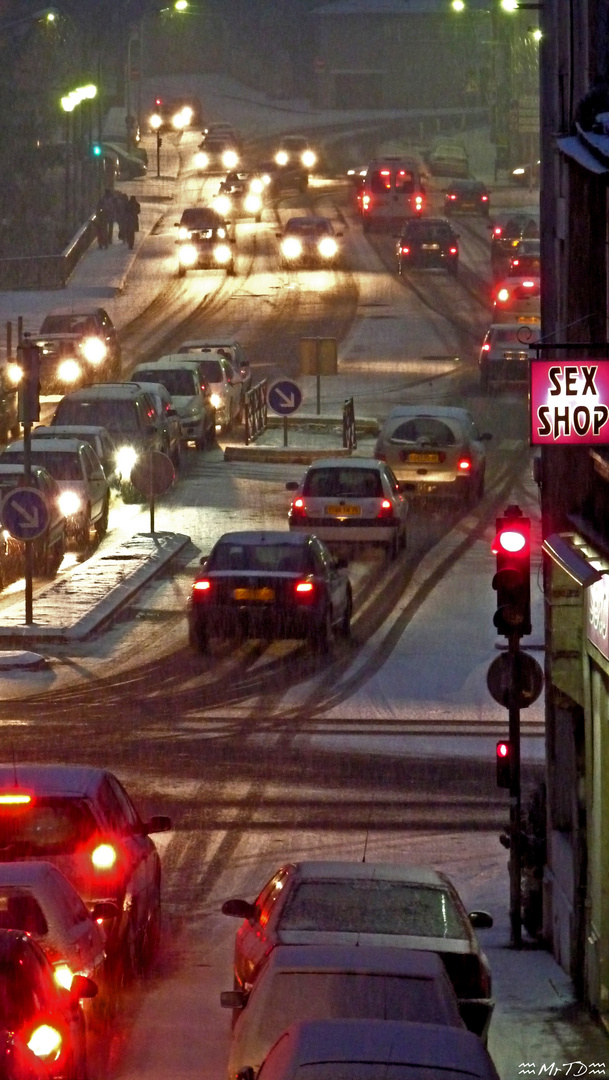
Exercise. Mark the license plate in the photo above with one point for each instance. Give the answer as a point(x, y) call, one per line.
point(529, 318)
point(343, 511)
point(430, 247)
point(265, 595)
point(423, 459)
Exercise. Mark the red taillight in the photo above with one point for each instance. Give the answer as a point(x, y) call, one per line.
point(515, 262)
point(298, 509)
point(452, 251)
point(497, 230)
point(386, 509)
point(405, 251)
point(104, 856)
point(304, 587)
point(486, 347)
point(202, 586)
point(464, 464)
point(484, 198)
point(453, 197)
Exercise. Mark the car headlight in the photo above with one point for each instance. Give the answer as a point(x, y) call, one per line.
point(230, 159)
point(291, 247)
point(257, 185)
point(222, 205)
point(253, 203)
point(94, 350)
point(155, 121)
point(183, 233)
point(68, 371)
point(45, 1042)
point(14, 374)
point(126, 458)
point(328, 247)
point(281, 157)
point(70, 503)
point(309, 159)
point(222, 254)
point(63, 976)
point(266, 179)
point(201, 160)
point(179, 121)
point(188, 255)
point(216, 400)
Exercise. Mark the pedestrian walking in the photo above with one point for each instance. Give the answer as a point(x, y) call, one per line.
point(108, 205)
point(121, 201)
point(131, 221)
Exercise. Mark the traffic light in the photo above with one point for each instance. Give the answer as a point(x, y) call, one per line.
point(512, 580)
point(504, 763)
point(96, 150)
point(28, 359)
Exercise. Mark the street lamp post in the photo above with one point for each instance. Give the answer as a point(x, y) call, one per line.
point(155, 122)
point(69, 103)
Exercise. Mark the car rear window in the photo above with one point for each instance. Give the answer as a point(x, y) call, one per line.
point(323, 995)
point(373, 907)
point(514, 337)
point(211, 370)
point(356, 483)
point(19, 910)
point(266, 557)
point(426, 430)
point(61, 466)
point(46, 826)
point(177, 382)
point(426, 232)
point(115, 415)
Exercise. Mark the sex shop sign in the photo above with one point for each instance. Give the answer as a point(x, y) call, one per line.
point(569, 402)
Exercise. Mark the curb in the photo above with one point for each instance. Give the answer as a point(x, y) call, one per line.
point(288, 455)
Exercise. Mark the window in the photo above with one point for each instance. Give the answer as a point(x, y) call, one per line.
point(112, 808)
point(48, 826)
point(424, 429)
point(380, 181)
point(127, 806)
point(404, 181)
point(334, 483)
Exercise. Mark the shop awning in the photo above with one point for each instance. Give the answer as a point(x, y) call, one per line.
point(570, 552)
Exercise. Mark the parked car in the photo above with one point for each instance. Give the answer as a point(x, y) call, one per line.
point(190, 397)
point(81, 819)
point(434, 450)
point(77, 348)
point(466, 197)
point(309, 241)
point(518, 299)
point(48, 1018)
point(526, 259)
point(505, 355)
point(226, 387)
point(350, 501)
point(448, 159)
point(167, 414)
point(84, 497)
point(263, 584)
point(349, 903)
point(326, 1049)
point(324, 982)
point(127, 412)
point(204, 241)
point(428, 243)
point(99, 438)
point(47, 550)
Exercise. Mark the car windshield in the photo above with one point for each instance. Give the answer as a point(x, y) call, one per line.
point(177, 382)
point(115, 415)
point(296, 227)
point(199, 219)
point(263, 557)
point(20, 910)
point(61, 466)
point(424, 430)
point(373, 907)
point(68, 324)
point(304, 995)
point(46, 826)
point(356, 483)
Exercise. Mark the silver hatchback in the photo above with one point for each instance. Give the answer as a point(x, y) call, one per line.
point(434, 450)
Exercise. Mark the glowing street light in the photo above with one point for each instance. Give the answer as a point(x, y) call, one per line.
point(510, 5)
point(181, 5)
point(458, 5)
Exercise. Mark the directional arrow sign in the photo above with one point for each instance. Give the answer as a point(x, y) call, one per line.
point(25, 513)
point(284, 397)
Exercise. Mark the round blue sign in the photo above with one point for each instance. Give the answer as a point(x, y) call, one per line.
point(25, 513)
point(284, 397)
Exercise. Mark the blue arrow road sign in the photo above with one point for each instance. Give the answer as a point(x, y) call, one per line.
point(284, 397)
point(25, 513)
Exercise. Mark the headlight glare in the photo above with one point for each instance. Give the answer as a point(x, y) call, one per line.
point(70, 503)
point(188, 255)
point(291, 247)
point(125, 460)
point(327, 247)
point(94, 350)
point(216, 400)
point(68, 371)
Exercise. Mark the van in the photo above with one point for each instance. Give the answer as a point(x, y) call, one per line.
point(392, 190)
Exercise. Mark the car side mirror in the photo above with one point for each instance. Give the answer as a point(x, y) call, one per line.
point(82, 987)
point(240, 909)
point(203, 560)
point(291, 485)
point(158, 823)
point(481, 920)
point(233, 999)
point(105, 909)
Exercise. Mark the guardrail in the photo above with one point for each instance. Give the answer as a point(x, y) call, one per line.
point(47, 271)
point(349, 433)
point(255, 412)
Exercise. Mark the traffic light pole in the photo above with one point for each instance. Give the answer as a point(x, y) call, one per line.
point(515, 816)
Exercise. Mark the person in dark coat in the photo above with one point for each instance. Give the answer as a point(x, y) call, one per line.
point(122, 201)
point(107, 204)
point(131, 221)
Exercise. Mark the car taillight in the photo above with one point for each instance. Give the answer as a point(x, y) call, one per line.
point(14, 798)
point(63, 975)
point(45, 1042)
point(297, 509)
point(452, 251)
point(366, 200)
point(304, 587)
point(464, 464)
point(515, 262)
point(104, 856)
point(453, 197)
point(405, 251)
point(486, 347)
point(484, 198)
point(418, 202)
point(386, 509)
point(497, 230)
point(202, 586)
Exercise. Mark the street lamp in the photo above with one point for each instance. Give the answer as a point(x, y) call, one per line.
point(69, 103)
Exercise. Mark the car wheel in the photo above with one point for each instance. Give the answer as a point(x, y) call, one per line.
point(151, 939)
point(83, 535)
point(53, 558)
point(321, 633)
point(101, 525)
point(393, 546)
point(345, 623)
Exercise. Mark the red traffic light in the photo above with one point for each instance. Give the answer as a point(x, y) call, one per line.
point(512, 547)
point(510, 539)
point(503, 749)
point(504, 763)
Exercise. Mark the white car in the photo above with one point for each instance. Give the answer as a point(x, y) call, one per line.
point(355, 500)
point(505, 354)
point(225, 384)
point(195, 414)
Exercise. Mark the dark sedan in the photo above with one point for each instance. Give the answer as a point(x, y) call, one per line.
point(466, 197)
point(270, 584)
point(428, 243)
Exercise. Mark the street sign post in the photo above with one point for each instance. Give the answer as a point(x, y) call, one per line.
point(25, 515)
point(284, 397)
point(153, 474)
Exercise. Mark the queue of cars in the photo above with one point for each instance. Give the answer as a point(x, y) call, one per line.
point(379, 949)
point(80, 910)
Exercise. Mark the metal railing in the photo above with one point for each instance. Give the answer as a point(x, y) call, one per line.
point(349, 433)
point(255, 412)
